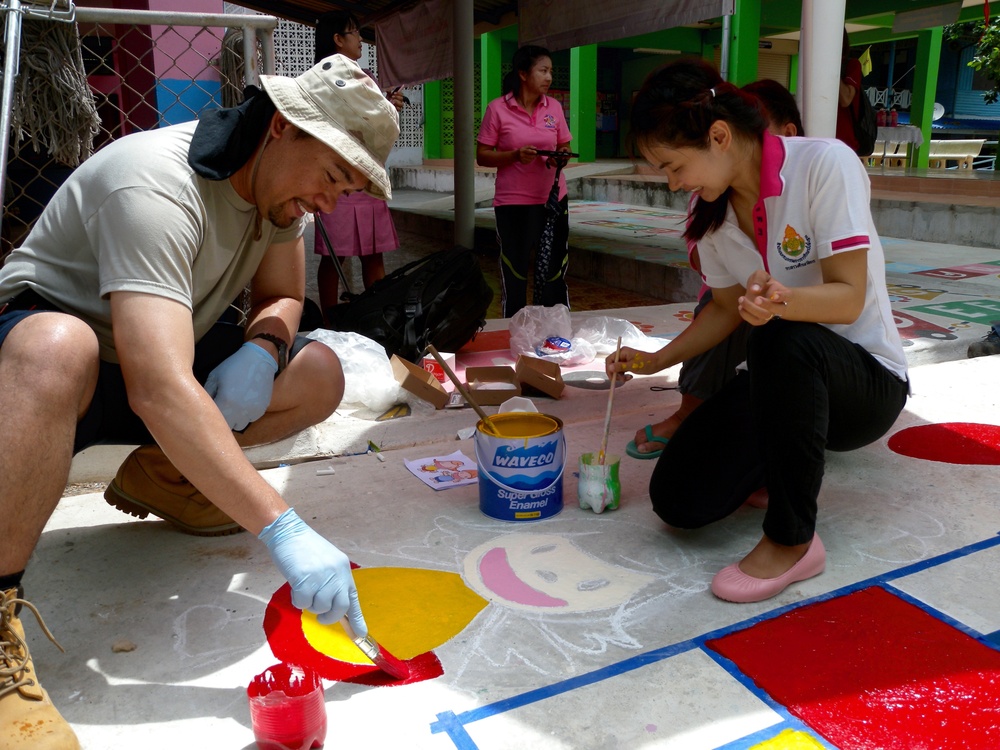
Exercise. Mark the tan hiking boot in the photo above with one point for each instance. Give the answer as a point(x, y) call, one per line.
point(148, 483)
point(28, 720)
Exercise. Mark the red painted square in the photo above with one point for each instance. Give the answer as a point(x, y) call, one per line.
point(869, 671)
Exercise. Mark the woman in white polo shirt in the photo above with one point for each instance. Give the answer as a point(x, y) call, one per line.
point(515, 127)
point(787, 243)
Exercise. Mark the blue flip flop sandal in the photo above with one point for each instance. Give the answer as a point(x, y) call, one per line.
point(633, 451)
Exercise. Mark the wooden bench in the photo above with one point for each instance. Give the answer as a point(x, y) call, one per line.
point(963, 152)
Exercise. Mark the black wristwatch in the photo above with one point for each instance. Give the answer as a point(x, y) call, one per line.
point(282, 348)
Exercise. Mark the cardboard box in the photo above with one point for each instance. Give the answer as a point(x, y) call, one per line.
point(479, 379)
point(418, 381)
point(540, 375)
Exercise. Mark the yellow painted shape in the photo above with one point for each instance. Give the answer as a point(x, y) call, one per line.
point(408, 611)
point(789, 739)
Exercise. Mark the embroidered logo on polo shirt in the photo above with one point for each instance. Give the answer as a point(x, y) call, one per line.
point(549, 121)
point(793, 246)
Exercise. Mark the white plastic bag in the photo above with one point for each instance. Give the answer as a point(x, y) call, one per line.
point(531, 325)
point(602, 332)
point(368, 377)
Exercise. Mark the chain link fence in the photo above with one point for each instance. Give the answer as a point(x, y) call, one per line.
point(140, 70)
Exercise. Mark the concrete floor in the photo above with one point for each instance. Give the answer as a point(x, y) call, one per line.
point(625, 661)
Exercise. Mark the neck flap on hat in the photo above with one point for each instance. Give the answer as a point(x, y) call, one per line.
point(225, 139)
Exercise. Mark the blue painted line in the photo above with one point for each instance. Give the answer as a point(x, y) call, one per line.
point(946, 618)
point(727, 664)
point(769, 733)
point(572, 683)
point(455, 729)
point(458, 721)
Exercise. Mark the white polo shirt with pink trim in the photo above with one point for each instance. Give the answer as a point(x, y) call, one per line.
point(814, 202)
point(507, 126)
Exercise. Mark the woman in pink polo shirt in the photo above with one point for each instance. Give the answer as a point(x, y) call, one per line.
point(514, 128)
point(787, 244)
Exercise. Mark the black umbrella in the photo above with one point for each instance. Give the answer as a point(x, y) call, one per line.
point(543, 258)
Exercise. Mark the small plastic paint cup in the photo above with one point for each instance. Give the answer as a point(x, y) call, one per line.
point(599, 488)
point(287, 708)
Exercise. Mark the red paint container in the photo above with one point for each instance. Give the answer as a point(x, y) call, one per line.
point(287, 709)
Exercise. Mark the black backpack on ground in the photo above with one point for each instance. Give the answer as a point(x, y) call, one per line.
point(865, 125)
point(441, 299)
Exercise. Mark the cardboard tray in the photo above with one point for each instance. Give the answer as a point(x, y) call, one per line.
point(499, 374)
point(418, 381)
point(540, 375)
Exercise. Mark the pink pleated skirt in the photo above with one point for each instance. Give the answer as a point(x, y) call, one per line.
point(359, 225)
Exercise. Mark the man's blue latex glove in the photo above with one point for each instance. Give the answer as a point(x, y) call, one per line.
point(320, 574)
point(241, 385)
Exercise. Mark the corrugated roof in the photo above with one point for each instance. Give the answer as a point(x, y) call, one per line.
point(489, 12)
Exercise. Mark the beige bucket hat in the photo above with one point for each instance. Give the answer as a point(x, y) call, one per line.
point(338, 103)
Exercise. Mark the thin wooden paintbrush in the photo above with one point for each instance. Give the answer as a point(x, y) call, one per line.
point(611, 400)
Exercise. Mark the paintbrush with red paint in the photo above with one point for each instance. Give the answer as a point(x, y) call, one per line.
point(379, 656)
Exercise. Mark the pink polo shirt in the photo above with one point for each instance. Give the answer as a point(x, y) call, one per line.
point(507, 126)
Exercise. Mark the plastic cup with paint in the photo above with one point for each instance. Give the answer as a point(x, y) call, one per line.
point(287, 708)
point(599, 488)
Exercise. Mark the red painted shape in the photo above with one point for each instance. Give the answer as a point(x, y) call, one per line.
point(870, 671)
point(283, 628)
point(488, 341)
point(950, 443)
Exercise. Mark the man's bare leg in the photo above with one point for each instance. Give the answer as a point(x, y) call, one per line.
point(306, 393)
point(41, 404)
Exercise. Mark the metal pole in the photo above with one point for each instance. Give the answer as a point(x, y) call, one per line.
point(250, 57)
point(465, 153)
point(727, 32)
point(267, 50)
point(891, 72)
point(172, 18)
point(10, 70)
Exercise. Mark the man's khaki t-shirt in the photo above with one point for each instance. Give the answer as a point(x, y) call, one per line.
point(135, 217)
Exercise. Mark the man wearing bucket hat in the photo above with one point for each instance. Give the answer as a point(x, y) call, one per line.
point(110, 331)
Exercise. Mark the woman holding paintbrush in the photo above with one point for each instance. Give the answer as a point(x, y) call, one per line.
point(787, 243)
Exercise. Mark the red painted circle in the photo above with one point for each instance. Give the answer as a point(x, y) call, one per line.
point(283, 628)
point(950, 443)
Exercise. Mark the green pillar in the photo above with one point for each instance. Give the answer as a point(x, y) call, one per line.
point(745, 42)
point(432, 120)
point(924, 89)
point(583, 101)
point(793, 74)
point(490, 60)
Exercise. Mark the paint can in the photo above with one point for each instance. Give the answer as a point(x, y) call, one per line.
point(521, 466)
point(599, 488)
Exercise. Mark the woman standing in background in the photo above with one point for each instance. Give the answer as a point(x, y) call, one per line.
point(360, 225)
point(515, 127)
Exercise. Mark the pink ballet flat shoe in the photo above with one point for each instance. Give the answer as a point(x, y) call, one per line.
point(733, 585)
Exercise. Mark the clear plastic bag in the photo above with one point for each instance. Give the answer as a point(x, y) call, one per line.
point(602, 332)
point(368, 377)
point(531, 325)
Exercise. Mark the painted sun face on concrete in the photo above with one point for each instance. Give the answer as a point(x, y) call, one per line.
point(547, 573)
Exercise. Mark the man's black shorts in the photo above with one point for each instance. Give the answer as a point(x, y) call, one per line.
point(109, 418)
